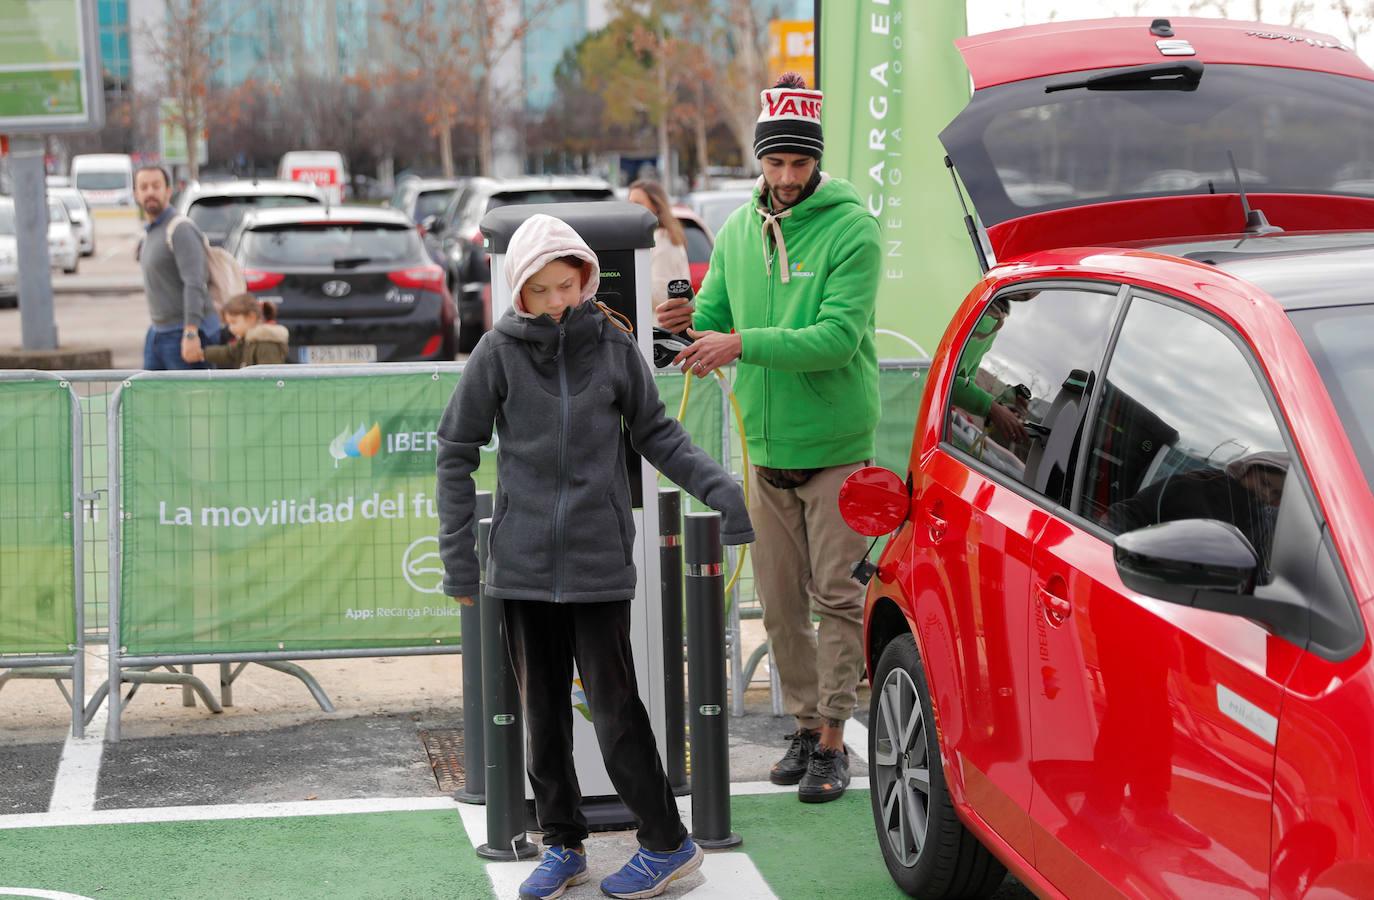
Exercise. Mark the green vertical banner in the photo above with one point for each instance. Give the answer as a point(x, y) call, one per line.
point(37, 583)
point(293, 515)
point(892, 80)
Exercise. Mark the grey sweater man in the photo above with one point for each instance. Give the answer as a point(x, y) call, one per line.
point(175, 280)
point(557, 394)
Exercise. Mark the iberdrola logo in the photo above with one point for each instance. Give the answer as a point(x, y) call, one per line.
point(363, 442)
point(579, 700)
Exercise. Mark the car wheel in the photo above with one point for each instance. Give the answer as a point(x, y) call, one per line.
point(72, 270)
point(928, 851)
point(9, 302)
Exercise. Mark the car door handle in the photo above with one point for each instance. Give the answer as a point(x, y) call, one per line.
point(1057, 608)
point(936, 523)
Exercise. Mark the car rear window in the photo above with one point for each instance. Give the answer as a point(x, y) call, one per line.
point(332, 245)
point(1020, 149)
point(550, 195)
point(698, 244)
point(1339, 339)
point(103, 181)
point(7, 219)
point(219, 215)
point(432, 203)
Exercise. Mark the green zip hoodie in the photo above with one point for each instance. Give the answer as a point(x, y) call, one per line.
point(807, 380)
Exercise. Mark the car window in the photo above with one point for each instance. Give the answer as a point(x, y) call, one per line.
point(1022, 383)
point(57, 212)
point(432, 203)
point(698, 244)
point(549, 195)
point(219, 215)
point(1339, 339)
point(1184, 431)
point(73, 204)
point(6, 219)
point(339, 246)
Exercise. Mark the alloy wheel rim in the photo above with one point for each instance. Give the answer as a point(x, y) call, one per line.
point(901, 768)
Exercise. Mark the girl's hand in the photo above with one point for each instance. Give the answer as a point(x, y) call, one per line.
point(466, 601)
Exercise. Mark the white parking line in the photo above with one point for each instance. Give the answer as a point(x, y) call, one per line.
point(857, 736)
point(73, 789)
point(228, 811)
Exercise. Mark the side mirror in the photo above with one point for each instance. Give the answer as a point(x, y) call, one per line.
point(874, 501)
point(1176, 560)
point(1207, 564)
point(432, 225)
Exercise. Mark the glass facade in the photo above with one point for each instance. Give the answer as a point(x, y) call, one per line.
point(559, 29)
point(113, 23)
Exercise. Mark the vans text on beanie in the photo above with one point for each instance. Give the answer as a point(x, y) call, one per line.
point(790, 119)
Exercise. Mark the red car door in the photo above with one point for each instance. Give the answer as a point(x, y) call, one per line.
point(982, 500)
point(1154, 725)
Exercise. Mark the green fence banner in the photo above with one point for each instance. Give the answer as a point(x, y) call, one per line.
point(295, 516)
point(892, 80)
point(37, 583)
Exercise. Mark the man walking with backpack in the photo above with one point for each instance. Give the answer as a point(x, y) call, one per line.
point(175, 279)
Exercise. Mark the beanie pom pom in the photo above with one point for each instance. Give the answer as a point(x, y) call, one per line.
point(791, 80)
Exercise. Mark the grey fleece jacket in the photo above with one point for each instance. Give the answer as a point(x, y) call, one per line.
point(557, 394)
point(176, 283)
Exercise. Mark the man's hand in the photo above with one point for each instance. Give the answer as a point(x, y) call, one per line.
point(674, 315)
point(191, 351)
point(1007, 421)
point(710, 350)
point(466, 601)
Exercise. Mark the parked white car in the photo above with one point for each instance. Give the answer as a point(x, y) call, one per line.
point(80, 214)
point(64, 247)
point(9, 258)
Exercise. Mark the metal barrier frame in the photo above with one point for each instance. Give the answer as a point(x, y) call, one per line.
point(72, 666)
point(133, 669)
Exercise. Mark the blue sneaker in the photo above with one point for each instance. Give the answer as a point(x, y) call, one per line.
point(648, 874)
point(559, 870)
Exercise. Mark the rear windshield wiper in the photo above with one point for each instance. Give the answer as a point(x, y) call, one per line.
point(351, 262)
point(1182, 75)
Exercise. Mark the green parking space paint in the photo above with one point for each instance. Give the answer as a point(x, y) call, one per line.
point(820, 850)
point(373, 855)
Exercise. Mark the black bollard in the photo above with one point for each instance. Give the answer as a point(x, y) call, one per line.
point(474, 789)
point(670, 571)
point(504, 738)
point(706, 683)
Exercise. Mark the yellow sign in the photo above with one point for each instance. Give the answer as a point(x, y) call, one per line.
point(792, 48)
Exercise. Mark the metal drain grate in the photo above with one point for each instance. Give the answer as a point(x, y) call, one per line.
point(445, 749)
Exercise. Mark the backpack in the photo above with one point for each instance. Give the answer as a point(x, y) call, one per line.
point(225, 275)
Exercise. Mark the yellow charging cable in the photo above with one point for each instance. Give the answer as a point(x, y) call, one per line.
point(744, 451)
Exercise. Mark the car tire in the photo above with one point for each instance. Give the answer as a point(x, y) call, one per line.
point(73, 269)
point(9, 302)
point(943, 860)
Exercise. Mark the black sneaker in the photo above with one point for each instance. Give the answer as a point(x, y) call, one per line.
point(827, 775)
point(792, 766)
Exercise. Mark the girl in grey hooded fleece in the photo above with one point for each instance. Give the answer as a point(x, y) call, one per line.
point(556, 378)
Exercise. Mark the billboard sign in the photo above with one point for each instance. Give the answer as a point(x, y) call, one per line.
point(50, 80)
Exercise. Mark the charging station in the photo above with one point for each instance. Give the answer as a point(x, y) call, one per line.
point(622, 236)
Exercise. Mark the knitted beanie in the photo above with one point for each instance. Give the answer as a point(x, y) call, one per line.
point(790, 120)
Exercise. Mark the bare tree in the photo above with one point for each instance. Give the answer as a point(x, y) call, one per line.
point(1358, 19)
point(741, 76)
point(183, 48)
point(455, 46)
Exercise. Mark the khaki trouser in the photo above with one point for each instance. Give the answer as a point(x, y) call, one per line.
point(803, 557)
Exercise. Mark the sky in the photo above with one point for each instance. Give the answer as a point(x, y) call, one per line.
point(991, 15)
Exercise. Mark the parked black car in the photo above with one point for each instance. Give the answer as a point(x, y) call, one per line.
point(352, 284)
point(455, 238)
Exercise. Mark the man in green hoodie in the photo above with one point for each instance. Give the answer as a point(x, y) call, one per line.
point(790, 295)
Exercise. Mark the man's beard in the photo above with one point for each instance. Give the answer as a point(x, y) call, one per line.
point(153, 211)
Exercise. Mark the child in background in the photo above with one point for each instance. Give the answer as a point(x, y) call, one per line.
point(555, 378)
point(258, 339)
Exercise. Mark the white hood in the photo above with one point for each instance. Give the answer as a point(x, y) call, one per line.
point(538, 242)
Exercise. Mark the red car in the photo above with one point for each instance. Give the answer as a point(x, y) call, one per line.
point(1119, 640)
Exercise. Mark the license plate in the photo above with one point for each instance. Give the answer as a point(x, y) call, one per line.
point(339, 354)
